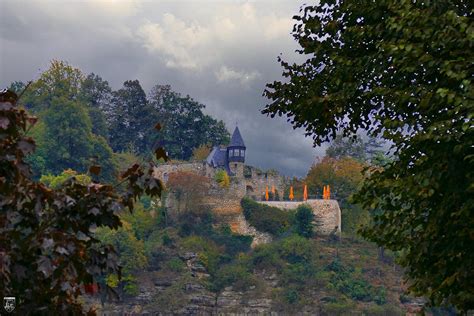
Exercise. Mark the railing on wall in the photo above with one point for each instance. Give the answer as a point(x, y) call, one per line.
point(310, 197)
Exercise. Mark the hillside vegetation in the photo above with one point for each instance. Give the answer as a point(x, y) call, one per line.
point(195, 255)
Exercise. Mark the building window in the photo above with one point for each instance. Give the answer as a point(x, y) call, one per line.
point(236, 152)
point(231, 153)
point(242, 153)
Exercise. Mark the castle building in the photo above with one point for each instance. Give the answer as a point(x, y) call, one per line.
point(246, 181)
point(230, 158)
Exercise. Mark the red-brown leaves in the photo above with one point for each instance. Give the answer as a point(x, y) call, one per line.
point(160, 153)
point(95, 170)
point(47, 245)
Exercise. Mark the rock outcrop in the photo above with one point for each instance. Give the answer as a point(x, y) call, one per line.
point(192, 297)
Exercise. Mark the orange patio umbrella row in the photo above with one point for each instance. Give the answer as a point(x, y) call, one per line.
point(326, 193)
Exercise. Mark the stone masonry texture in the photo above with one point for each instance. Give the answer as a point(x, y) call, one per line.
point(225, 202)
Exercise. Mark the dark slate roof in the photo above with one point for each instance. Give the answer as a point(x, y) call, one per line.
point(217, 157)
point(236, 140)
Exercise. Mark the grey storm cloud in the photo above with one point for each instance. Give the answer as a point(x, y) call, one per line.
point(222, 53)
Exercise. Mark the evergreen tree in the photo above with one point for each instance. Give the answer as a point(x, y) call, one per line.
point(347, 147)
point(131, 119)
point(185, 126)
point(304, 221)
point(97, 94)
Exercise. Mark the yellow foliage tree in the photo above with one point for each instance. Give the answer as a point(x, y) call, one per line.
point(339, 178)
point(201, 152)
point(222, 178)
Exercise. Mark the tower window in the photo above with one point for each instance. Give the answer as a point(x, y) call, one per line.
point(231, 153)
point(236, 152)
point(242, 153)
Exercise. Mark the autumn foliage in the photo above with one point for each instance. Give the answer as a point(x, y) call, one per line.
point(342, 175)
point(189, 188)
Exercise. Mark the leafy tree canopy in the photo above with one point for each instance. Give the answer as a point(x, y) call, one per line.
point(97, 94)
point(185, 126)
point(56, 182)
point(344, 175)
point(401, 70)
point(72, 131)
point(201, 152)
point(61, 80)
point(131, 120)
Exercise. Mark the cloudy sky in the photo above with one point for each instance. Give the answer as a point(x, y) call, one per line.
point(222, 53)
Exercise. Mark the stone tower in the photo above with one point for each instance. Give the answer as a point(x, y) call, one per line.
point(236, 154)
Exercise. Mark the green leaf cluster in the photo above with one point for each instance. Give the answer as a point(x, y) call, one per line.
point(401, 70)
point(266, 218)
point(222, 178)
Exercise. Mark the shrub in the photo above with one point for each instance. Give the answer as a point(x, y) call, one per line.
point(233, 243)
point(266, 218)
point(130, 285)
point(266, 256)
point(112, 280)
point(291, 296)
point(175, 265)
point(141, 221)
point(55, 182)
point(208, 251)
point(131, 251)
point(304, 221)
point(172, 297)
point(295, 249)
point(297, 273)
point(236, 275)
point(167, 241)
point(356, 288)
point(222, 178)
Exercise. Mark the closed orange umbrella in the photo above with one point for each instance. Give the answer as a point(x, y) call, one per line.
point(329, 192)
point(324, 192)
point(305, 192)
point(266, 193)
point(291, 196)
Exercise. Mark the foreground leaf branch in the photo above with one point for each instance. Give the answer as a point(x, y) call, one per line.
point(48, 250)
point(402, 71)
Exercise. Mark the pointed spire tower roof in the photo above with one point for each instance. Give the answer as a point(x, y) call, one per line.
point(236, 140)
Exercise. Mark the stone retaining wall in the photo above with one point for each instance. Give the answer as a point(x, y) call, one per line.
point(326, 212)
